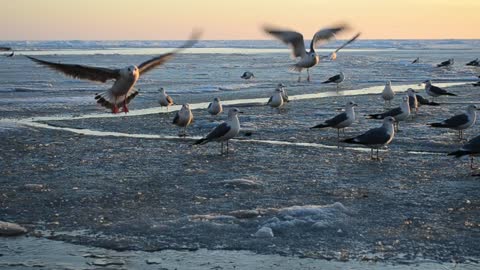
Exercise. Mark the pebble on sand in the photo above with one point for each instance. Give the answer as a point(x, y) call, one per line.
point(11, 229)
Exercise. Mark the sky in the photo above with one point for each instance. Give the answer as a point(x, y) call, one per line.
point(235, 19)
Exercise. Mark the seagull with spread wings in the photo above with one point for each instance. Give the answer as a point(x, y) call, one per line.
point(308, 59)
point(122, 90)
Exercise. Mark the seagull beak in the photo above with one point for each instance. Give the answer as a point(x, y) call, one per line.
point(355, 105)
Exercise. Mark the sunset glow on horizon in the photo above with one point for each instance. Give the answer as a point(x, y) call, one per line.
point(166, 20)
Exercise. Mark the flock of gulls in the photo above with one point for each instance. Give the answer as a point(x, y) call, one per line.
point(122, 92)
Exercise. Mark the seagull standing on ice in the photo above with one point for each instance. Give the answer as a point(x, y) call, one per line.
point(225, 131)
point(474, 63)
point(183, 118)
point(294, 39)
point(215, 107)
point(340, 121)
point(459, 122)
point(471, 148)
point(435, 91)
point(412, 100)
point(276, 101)
point(423, 101)
point(387, 93)
point(447, 63)
point(284, 92)
point(376, 137)
point(337, 79)
point(400, 113)
point(247, 75)
point(165, 100)
point(122, 90)
point(416, 61)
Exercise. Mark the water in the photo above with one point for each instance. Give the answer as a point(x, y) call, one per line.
point(213, 68)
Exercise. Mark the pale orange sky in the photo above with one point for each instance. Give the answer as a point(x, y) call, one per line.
point(229, 19)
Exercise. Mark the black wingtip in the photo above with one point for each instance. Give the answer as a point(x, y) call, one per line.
point(459, 153)
point(201, 141)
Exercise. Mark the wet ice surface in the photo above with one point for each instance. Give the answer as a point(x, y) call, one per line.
point(152, 191)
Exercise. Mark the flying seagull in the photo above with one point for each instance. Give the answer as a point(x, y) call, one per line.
point(447, 63)
point(295, 40)
point(459, 122)
point(423, 101)
point(337, 79)
point(416, 61)
point(225, 131)
point(340, 121)
point(376, 137)
point(435, 91)
point(400, 113)
point(247, 75)
point(183, 118)
point(165, 100)
point(122, 89)
point(412, 100)
point(387, 93)
point(276, 100)
point(215, 107)
point(474, 63)
point(471, 148)
point(333, 55)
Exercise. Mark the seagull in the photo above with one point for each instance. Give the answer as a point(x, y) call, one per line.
point(165, 100)
point(412, 100)
point(294, 39)
point(183, 118)
point(471, 148)
point(12, 54)
point(474, 63)
point(435, 91)
point(337, 79)
point(276, 101)
point(416, 61)
point(122, 90)
point(340, 121)
point(215, 107)
point(400, 113)
point(247, 75)
point(225, 131)
point(447, 63)
point(376, 137)
point(333, 55)
point(423, 101)
point(459, 122)
point(284, 92)
point(387, 93)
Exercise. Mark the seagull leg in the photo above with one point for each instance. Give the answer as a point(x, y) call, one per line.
point(125, 109)
point(377, 155)
point(299, 76)
point(338, 134)
point(371, 154)
point(227, 147)
point(471, 162)
point(115, 107)
point(308, 75)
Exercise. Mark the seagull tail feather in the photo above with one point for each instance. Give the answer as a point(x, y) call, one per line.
point(327, 81)
point(374, 116)
point(320, 126)
point(351, 140)
point(108, 101)
point(450, 94)
point(201, 141)
point(439, 125)
point(459, 153)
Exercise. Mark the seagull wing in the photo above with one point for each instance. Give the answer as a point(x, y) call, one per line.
point(337, 119)
point(80, 71)
point(456, 120)
point(348, 42)
point(218, 132)
point(373, 137)
point(4, 49)
point(291, 38)
point(325, 35)
point(160, 60)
